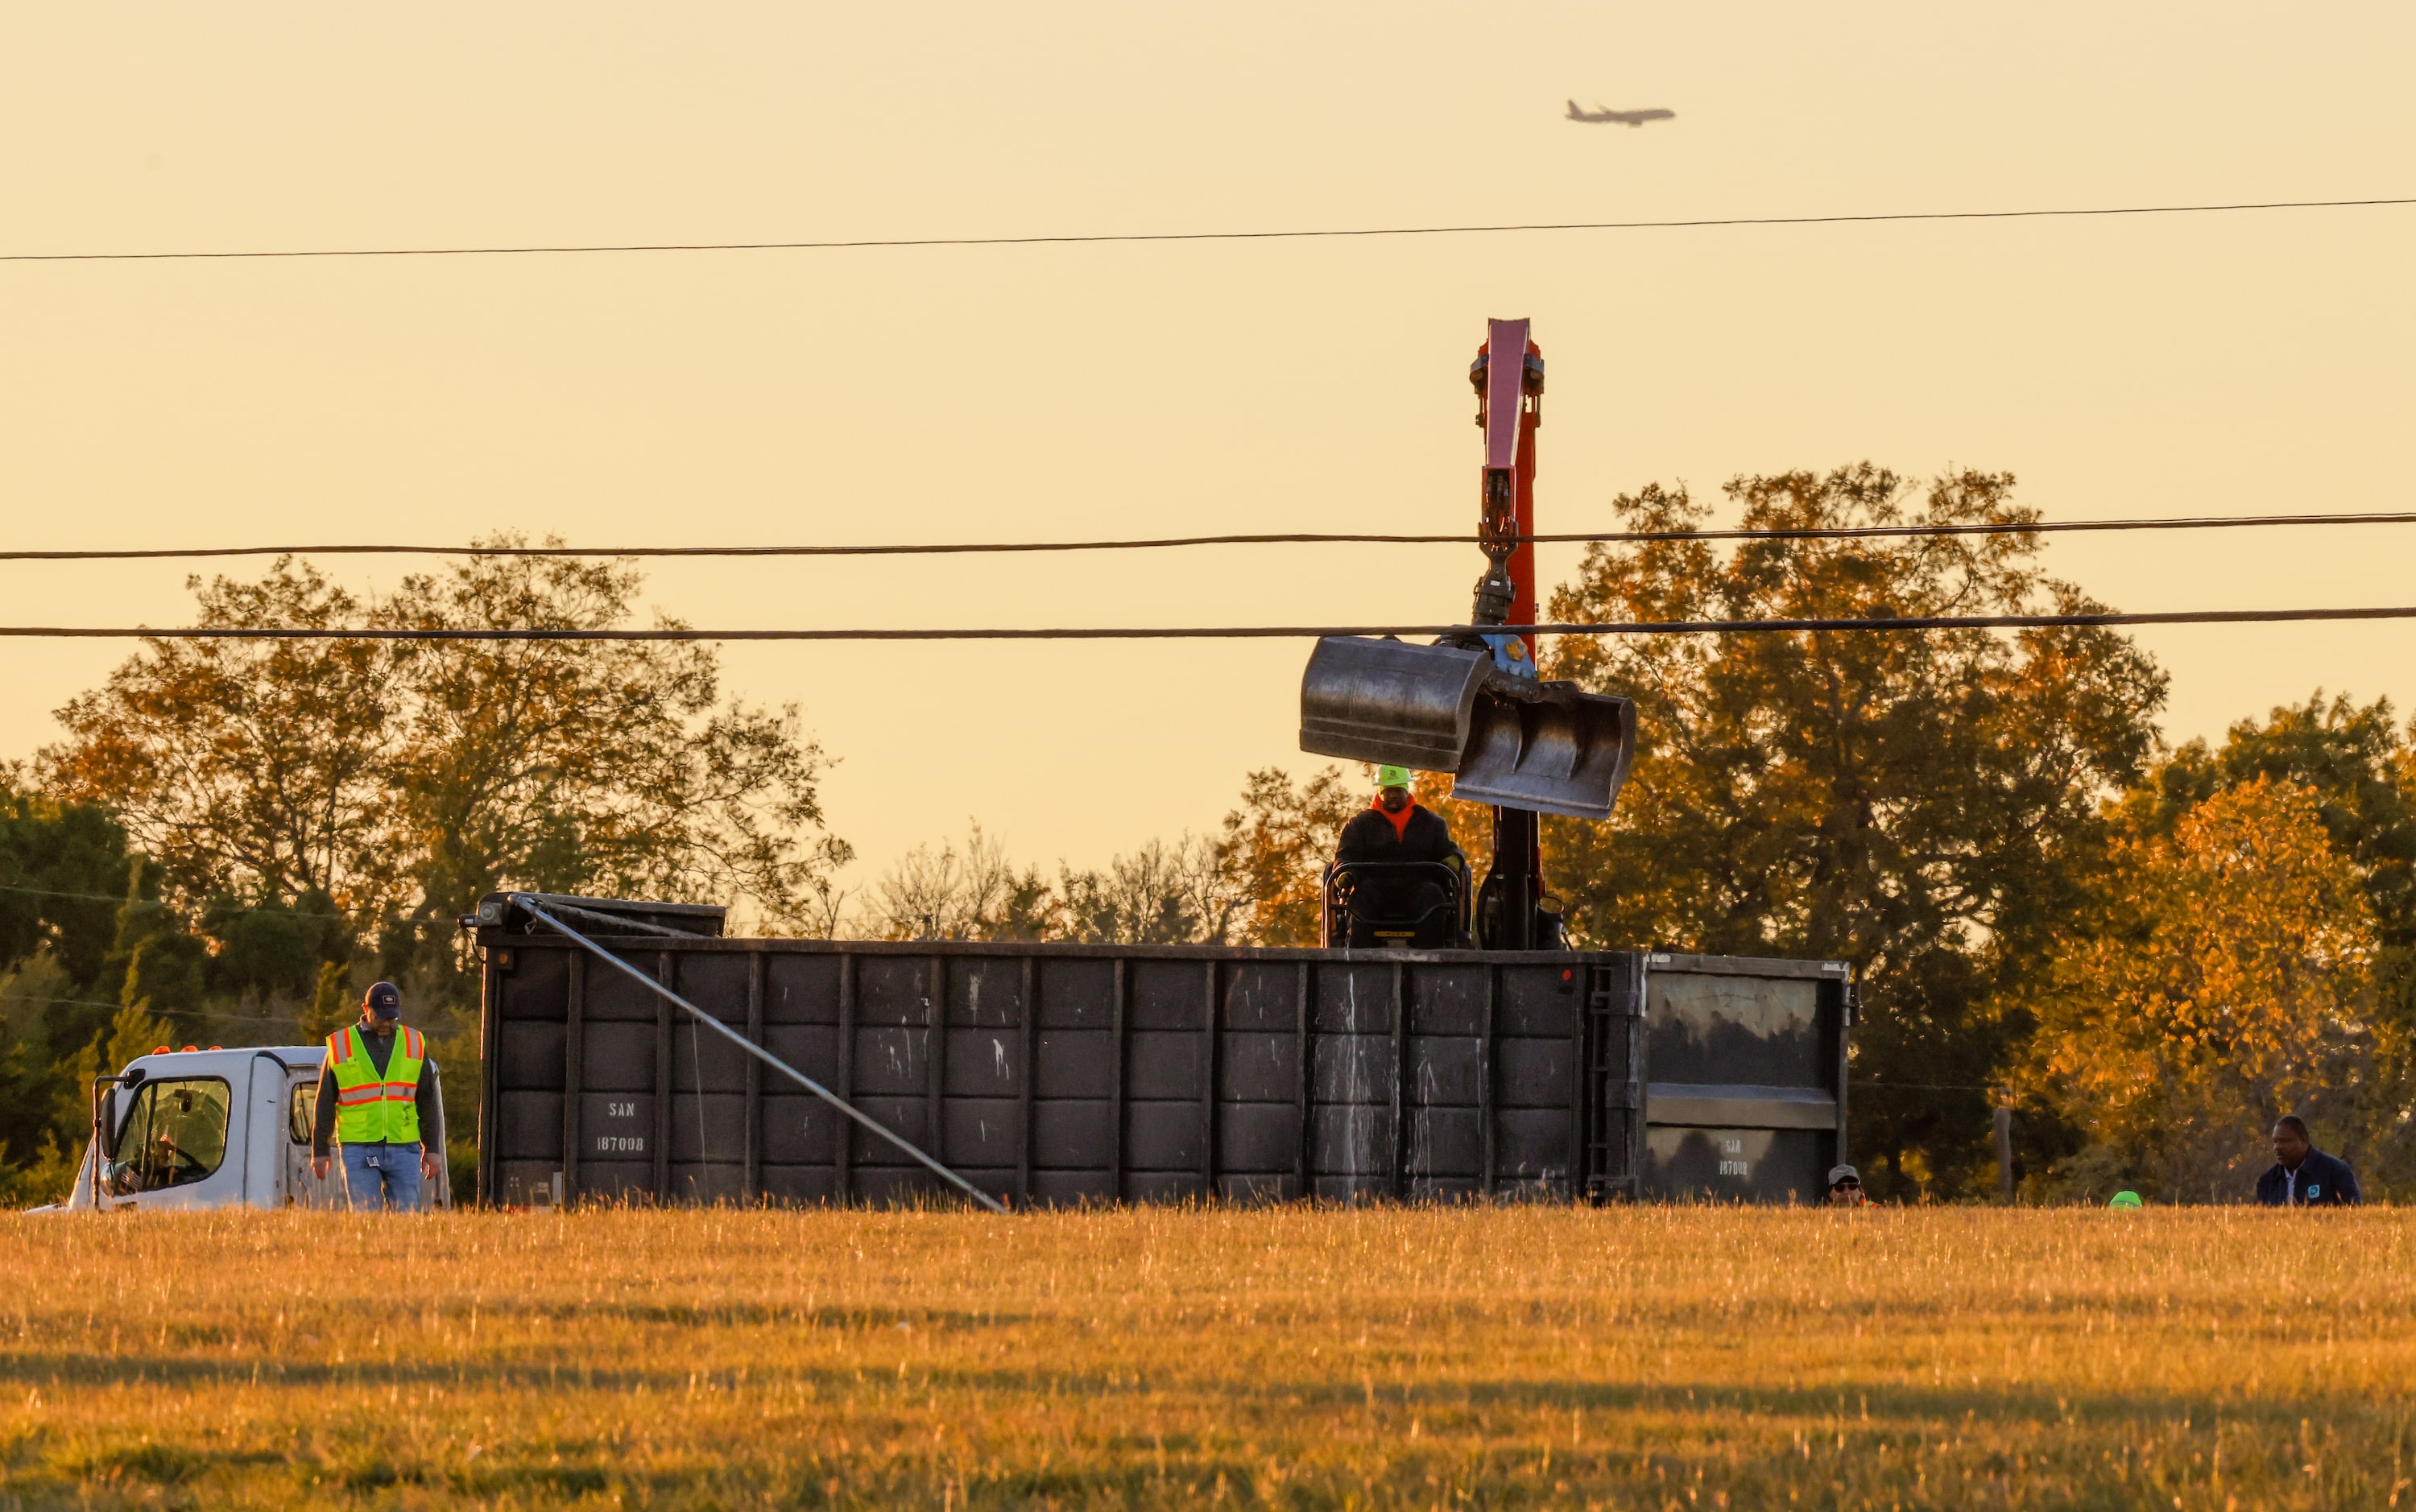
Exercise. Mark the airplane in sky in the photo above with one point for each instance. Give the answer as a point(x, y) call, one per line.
point(1601, 115)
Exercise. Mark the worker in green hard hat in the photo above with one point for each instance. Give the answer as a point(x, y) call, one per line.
point(1404, 909)
point(1396, 827)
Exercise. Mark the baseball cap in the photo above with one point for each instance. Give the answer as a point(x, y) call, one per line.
point(2127, 1199)
point(383, 1000)
point(1843, 1172)
point(1392, 776)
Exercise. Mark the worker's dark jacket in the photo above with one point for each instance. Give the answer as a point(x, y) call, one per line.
point(1374, 836)
point(2320, 1181)
point(1401, 910)
point(379, 1044)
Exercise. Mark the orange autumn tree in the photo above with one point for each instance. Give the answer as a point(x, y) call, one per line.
point(2228, 980)
point(1274, 849)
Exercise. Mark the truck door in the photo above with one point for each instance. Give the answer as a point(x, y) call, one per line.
point(302, 1189)
point(171, 1149)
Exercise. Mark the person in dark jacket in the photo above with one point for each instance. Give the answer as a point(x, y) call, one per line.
point(2304, 1175)
point(377, 1088)
point(1396, 828)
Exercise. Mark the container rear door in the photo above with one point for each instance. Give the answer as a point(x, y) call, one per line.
point(1745, 1066)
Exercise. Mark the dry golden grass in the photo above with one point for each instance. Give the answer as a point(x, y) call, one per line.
point(1627, 1357)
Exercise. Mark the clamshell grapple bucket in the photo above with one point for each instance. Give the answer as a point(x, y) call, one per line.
point(1548, 746)
point(1390, 702)
point(1545, 746)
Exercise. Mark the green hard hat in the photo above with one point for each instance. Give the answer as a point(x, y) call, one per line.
point(1392, 776)
point(2127, 1199)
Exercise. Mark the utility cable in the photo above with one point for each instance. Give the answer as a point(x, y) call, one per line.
point(1822, 533)
point(1638, 627)
point(122, 901)
point(162, 1012)
point(1129, 237)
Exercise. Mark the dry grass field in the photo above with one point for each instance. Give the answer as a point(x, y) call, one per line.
point(1652, 1357)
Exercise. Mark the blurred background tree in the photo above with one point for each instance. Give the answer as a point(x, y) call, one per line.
point(2354, 764)
point(63, 869)
point(594, 766)
point(976, 894)
point(2224, 978)
point(236, 837)
point(1275, 848)
point(1922, 805)
point(1163, 893)
point(252, 768)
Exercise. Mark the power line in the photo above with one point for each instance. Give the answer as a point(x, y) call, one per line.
point(1649, 627)
point(156, 1012)
point(1837, 533)
point(1127, 237)
point(161, 903)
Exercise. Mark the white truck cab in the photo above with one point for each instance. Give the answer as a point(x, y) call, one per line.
point(218, 1127)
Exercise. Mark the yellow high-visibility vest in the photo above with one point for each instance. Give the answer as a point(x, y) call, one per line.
point(371, 1108)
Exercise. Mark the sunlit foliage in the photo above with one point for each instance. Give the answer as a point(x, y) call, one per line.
point(1921, 806)
point(2228, 982)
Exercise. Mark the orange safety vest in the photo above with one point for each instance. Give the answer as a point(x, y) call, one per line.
point(369, 1108)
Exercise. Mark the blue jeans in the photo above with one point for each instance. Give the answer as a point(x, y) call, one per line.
point(382, 1177)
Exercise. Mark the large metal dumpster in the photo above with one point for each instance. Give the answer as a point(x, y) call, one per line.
point(1057, 1073)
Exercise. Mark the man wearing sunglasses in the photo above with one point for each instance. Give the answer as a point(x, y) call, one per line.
point(1845, 1187)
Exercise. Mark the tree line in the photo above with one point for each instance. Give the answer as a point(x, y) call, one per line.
point(2148, 952)
point(235, 837)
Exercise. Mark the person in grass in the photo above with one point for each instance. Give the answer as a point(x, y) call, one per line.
point(377, 1098)
point(1846, 1187)
point(2303, 1176)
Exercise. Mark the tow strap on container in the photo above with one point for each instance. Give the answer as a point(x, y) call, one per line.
point(537, 911)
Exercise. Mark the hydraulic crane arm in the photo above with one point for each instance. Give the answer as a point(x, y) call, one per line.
point(1509, 407)
point(1473, 706)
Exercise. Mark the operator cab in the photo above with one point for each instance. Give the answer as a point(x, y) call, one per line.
point(1397, 905)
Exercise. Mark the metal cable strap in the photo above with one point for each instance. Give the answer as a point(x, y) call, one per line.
point(537, 911)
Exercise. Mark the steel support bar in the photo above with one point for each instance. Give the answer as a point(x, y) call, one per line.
point(760, 1053)
point(640, 926)
point(574, 1076)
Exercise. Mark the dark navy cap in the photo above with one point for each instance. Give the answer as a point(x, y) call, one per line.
point(383, 1000)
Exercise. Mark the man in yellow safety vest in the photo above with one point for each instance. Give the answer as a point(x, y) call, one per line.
point(377, 1098)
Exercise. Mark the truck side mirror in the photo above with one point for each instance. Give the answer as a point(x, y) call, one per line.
point(107, 1135)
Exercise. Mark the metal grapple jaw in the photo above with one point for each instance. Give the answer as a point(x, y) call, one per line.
point(1545, 746)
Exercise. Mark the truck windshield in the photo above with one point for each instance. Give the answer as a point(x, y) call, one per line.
point(176, 1135)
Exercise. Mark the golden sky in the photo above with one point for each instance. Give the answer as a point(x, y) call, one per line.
point(2147, 365)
